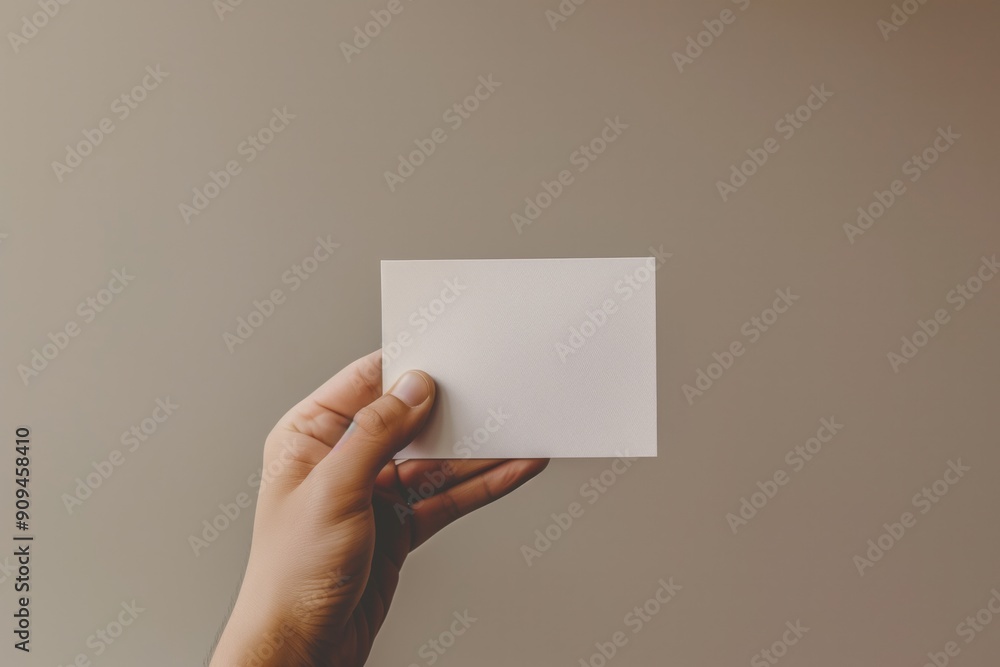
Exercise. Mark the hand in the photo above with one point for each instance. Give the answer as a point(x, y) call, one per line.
point(333, 527)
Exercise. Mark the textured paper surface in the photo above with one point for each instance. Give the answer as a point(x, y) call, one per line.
point(532, 357)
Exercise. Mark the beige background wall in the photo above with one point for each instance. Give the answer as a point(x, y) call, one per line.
point(323, 175)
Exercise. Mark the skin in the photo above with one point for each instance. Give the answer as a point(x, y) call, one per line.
point(333, 528)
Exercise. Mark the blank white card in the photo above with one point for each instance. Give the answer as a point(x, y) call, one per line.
point(532, 358)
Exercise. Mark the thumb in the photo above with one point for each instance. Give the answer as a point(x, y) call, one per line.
point(378, 431)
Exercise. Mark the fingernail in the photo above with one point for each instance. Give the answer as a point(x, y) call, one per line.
point(411, 389)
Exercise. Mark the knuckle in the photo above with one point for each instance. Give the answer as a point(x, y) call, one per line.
point(372, 421)
point(367, 379)
point(450, 506)
point(490, 493)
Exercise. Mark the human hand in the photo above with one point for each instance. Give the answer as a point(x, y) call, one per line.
point(333, 527)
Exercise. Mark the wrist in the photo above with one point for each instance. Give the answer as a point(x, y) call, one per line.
point(256, 636)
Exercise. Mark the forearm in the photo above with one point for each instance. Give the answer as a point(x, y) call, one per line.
point(256, 637)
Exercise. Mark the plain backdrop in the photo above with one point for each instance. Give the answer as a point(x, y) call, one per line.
point(323, 176)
